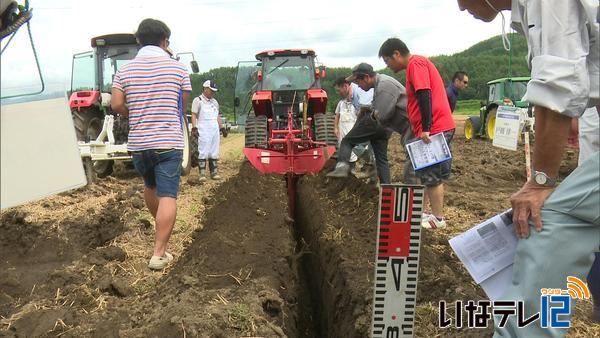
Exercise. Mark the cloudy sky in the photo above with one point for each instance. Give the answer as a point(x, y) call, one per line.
point(223, 32)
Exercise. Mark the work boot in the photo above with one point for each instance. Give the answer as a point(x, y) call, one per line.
point(342, 169)
point(369, 171)
point(202, 168)
point(353, 168)
point(212, 164)
point(367, 155)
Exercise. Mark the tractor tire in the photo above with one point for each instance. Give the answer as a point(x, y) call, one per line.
point(325, 129)
point(195, 154)
point(490, 123)
point(186, 162)
point(83, 120)
point(472, 127)
point(256, 132)
point(88, 125)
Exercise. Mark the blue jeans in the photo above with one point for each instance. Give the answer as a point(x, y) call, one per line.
point(161, 169)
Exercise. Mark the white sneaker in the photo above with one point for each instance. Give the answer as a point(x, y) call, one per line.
point(159, 263)
point(431, 222)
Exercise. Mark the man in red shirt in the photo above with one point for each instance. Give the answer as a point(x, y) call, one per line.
point(429, 114)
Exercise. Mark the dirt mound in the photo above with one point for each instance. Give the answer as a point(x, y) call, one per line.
point(33, 251)
point(238, 272)
point(238, 277)
point(338, 222)
point(76, 264)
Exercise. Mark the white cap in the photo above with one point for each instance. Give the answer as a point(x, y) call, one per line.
point(210, 84)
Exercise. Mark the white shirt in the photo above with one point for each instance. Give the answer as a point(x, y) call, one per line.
point(563, 41)
point(152, 51)
point(361, 97)
point(347, 111)
point(207, 109)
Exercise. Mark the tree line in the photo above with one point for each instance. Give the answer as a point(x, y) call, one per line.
point(484, 61)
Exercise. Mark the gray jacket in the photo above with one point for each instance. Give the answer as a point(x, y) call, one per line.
point(389, 103)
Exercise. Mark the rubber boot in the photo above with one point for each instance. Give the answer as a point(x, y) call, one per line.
point(370, 172)
point(342, 169)
point(212, 164)
point(202, 168)
point(353, 168)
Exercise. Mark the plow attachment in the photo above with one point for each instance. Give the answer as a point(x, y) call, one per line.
point(290, 152)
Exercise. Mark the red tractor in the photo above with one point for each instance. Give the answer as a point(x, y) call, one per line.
point(91, 85)
point(287, 129)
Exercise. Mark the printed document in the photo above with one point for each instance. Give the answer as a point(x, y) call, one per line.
point(423, 154)
point(487, 251)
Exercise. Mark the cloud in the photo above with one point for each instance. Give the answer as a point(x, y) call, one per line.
point(223, 32)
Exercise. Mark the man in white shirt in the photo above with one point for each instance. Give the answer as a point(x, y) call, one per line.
point(346, 113)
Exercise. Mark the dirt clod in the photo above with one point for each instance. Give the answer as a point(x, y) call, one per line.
point(114, 286)
point(112, 253)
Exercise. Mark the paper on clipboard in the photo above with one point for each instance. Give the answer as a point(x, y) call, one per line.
point(423, 154)
point(487, 251)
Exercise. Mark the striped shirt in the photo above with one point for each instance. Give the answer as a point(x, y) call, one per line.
point(152, 83)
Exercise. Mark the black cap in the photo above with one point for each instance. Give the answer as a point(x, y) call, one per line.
point(360, 69)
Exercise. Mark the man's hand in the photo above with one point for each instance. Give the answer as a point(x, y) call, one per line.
point(425, 137)
point(336, 131)
point(195, 132)
point(526, 203)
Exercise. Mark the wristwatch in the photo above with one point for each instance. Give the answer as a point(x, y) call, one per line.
point(541, 178)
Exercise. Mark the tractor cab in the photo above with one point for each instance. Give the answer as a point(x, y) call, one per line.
point(280, 80)
point(93, 71)
point(504, 91)
point(508, 88)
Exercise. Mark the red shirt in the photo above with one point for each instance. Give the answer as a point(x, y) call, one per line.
point(422, 74)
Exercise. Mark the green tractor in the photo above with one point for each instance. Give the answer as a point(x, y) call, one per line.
point(500, 92)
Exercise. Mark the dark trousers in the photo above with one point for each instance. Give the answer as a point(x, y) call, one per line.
point(594, 280)
point(408, 173)
point(368, 130)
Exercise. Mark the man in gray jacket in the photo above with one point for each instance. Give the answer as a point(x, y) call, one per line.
point(375, 125)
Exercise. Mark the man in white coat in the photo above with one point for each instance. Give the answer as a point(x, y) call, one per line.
point(207, 122)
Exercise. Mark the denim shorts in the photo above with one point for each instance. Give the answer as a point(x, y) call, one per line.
point(434, 175)
point(161, 169)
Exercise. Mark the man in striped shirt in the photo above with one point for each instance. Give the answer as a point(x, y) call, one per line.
point(147, 90)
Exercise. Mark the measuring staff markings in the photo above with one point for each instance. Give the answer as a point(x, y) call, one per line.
point(397, 260)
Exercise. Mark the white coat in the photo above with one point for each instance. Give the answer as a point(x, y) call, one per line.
point(348, 115)
point(208, 127)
